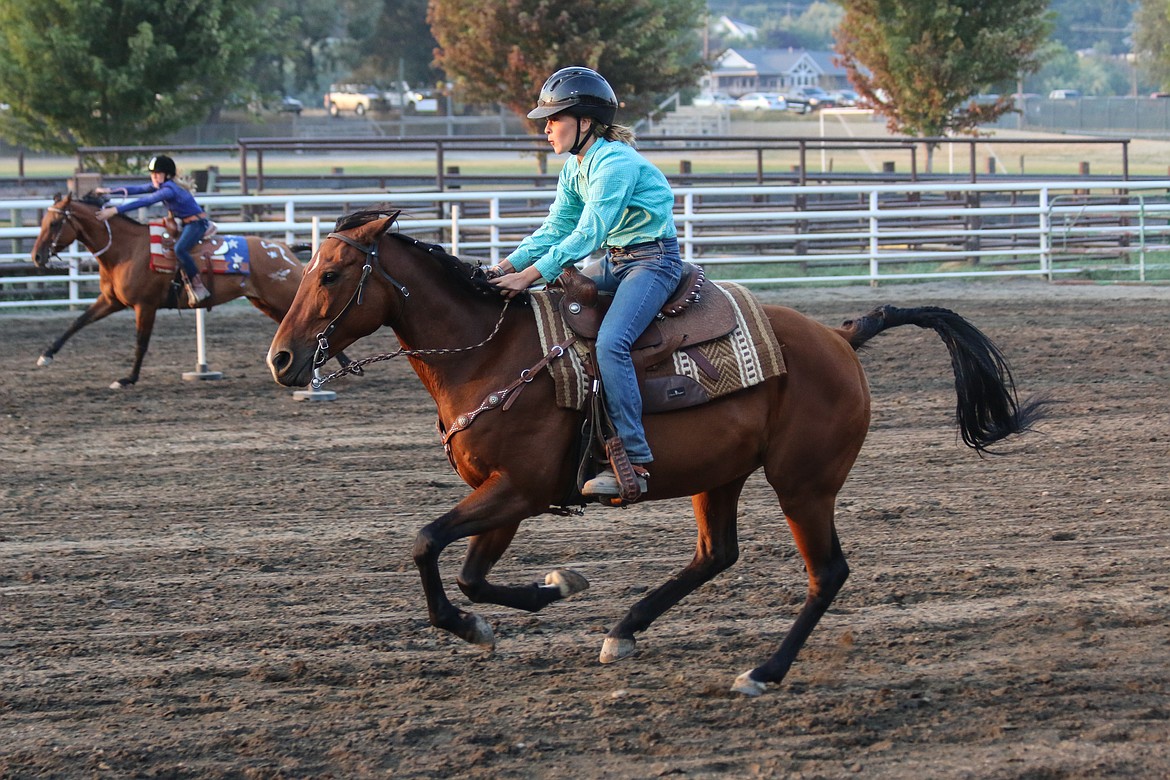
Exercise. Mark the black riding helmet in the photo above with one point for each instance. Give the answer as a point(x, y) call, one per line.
point(578, 92)
point(160, 163)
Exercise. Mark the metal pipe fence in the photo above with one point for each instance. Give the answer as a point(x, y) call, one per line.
point(754, 235)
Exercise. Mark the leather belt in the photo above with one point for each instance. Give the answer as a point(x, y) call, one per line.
point(194, 218)
point(625, 250)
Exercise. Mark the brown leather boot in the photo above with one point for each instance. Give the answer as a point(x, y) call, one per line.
point(196, 292)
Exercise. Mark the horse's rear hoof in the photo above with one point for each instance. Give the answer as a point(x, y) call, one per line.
point(747, 686)
point(120, 384)
point(44, 360)
point(616, 649)
point(482, 634)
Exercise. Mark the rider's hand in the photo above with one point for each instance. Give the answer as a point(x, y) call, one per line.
point(496, 271)
point(107, 212)
point(512, 284)
point(101, 190)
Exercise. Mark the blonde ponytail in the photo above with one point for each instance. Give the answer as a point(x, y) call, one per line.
point(619, 133)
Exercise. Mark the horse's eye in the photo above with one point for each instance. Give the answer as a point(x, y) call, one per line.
point(330, 277)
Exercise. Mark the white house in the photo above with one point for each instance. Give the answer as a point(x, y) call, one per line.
point(739, 71)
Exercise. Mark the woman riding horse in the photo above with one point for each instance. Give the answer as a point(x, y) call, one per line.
point(481, 360)
point(607, 195)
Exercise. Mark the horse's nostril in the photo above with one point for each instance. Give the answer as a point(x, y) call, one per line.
point(279, 360)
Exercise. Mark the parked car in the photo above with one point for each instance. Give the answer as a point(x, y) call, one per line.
point(1064, 94)
point(363, 98)
point(762, 101)
point(846, 98)
point(358, 98)
point(713, 99)
point(291, 105)
point(814, 98)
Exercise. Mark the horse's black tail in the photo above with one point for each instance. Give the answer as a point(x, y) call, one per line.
point(987, 409)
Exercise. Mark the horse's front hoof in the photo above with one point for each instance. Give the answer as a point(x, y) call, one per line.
point(616, 649)
point(566, 581)
point(120, 384)
point(45, 360)
point(747, 686)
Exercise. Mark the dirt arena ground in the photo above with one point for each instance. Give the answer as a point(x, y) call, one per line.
point(212, 580)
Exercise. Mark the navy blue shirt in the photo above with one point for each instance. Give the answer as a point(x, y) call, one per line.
point(178, 201)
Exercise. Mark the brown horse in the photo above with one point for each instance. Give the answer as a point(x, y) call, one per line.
point(122, 248)
point(804, 428)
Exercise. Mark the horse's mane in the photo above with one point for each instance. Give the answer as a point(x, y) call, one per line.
point(473, 278)
point(91, 198)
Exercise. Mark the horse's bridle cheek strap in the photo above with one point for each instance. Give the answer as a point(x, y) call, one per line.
point(55, 238)
point(371, 262)
point(67, 216)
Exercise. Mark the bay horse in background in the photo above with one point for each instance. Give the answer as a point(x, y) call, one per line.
point(803, 428)
point(122, 248)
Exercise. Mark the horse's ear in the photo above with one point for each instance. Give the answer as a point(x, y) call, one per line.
point(386, 224)
point(374, 229)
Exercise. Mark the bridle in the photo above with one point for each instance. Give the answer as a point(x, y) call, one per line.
point(371, 263)
point(501, 399)
point(68, 216)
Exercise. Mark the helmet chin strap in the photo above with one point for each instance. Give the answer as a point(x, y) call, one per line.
point(578, 141)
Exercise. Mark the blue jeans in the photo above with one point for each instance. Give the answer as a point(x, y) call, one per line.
point(641, 280)
point(192, 232)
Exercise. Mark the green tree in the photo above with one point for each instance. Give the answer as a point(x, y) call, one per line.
point(501, 51)
point(361, 41)
point(405, 23)
point(1093, 24)
point(312, 28)
point(922, 62)
point(1151, 41)
point(127, 72)
point(810, 29)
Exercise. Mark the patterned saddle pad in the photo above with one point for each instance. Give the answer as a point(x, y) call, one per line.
point(695, 374)
point(225, 254)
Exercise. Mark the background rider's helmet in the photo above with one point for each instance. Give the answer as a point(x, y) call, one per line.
point(160, 163)
point(579, 91)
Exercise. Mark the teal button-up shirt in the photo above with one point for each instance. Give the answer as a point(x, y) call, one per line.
point(613, 197)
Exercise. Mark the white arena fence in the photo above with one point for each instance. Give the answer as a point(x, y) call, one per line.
point(754, 235)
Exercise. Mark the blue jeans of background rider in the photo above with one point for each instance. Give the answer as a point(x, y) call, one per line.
point(641, 281)
point(192, 232)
